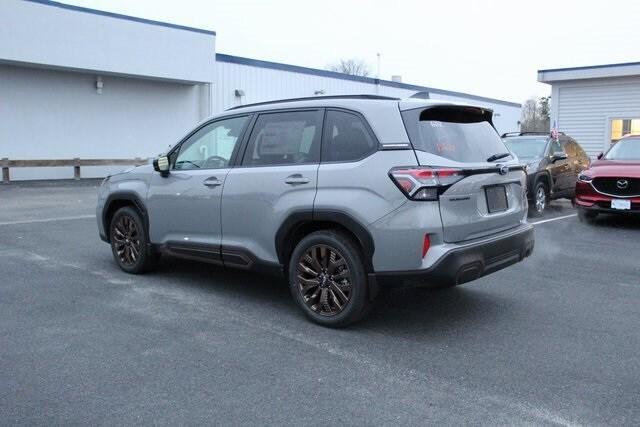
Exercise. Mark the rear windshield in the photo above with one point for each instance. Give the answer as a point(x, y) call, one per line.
point(527, 148)
point(625, 149)
point(462, 134)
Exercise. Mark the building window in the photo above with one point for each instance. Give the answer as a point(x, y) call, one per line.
point(622, 127)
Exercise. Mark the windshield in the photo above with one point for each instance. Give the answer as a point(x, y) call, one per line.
point(463, 134)
point(625, 149)
point(526, 148)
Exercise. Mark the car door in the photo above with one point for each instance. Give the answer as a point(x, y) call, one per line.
point(276, 178)
point(184, 204)
point(559, 169)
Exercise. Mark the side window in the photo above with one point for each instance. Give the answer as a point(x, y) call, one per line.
point(284, 138)
point(555, 147)
point(346, 138)
point(212, 146)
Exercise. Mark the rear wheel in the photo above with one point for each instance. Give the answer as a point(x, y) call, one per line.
point(540, 199)
point(327, 279)
point(129, 242)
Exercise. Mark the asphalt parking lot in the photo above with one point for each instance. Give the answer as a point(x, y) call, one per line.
point(552, 340)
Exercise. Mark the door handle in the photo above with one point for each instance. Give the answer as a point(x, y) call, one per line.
point(212, 182)
point(296, 178)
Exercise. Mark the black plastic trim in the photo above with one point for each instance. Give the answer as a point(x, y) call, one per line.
point(303, 217)
point(466, 263)
point(123, 196)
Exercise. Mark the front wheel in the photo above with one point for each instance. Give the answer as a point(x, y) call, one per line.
point(129, 242)
point(327, 279)
point(540, 199)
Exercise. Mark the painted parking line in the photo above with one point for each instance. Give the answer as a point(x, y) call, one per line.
point(554, 219)
point(33, 221)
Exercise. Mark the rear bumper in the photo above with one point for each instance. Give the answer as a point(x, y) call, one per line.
point(466, 263)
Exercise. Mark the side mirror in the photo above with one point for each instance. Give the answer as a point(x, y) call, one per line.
point(600, 156)
point(161, 164)
point(558, 156)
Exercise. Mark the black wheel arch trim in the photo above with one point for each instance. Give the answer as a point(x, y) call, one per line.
point(302, 217)
point(128, 196)
point(539, 176)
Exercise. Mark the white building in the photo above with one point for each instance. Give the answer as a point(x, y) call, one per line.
point(597, 104)
point(78, 82)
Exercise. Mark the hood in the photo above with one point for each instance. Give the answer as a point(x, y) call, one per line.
point(615, 168)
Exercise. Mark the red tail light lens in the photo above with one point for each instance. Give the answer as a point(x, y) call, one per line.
point(426, 245)
point(424, 183)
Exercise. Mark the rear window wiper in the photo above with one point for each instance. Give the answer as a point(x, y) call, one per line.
point(498, 157)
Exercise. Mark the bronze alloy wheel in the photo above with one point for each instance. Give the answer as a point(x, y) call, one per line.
point(324, 280)
point(126, 239)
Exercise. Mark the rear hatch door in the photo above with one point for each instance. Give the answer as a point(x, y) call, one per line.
point(490, 196)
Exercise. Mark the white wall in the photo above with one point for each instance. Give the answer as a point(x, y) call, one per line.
point(51, 36)
point(265, 84)
point(47, 114)
point(583, 109)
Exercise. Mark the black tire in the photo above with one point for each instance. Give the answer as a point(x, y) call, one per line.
point(129, 244)
point(586, 216)
point(339, 274)
point(536, 205)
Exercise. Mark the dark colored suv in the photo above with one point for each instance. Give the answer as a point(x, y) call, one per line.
point(553, 166)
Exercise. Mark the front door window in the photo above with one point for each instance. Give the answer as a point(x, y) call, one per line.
point(212, 146)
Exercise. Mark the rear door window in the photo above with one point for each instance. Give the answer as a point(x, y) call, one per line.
point(285, 138)
point(463, 134)
point(346, 138)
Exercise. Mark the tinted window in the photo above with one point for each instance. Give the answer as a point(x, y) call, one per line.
point(555, 147)
point(463, 134)
point(285, 138)
point(346, 138)
point(212, 146)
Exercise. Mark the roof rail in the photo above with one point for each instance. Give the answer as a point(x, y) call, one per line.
point(508, 134)
point(310, 98)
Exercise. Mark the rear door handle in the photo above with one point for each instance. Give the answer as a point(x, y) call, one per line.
point(296, 178)
point(212, 182)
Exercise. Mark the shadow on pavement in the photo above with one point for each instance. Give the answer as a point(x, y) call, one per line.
point(406, 311)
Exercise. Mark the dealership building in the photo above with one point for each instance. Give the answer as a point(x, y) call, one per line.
point(83, 83)
point(597, 104)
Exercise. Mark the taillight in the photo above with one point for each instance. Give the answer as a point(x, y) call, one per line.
point(426, 244)
point(424, 183)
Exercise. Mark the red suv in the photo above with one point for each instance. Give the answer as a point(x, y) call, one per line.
point(612, 183)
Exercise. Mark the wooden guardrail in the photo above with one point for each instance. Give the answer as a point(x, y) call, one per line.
point(76, 163)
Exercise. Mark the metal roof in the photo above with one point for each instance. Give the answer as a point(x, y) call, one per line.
point(332, 74)
point(120, 16)
point(626, 69)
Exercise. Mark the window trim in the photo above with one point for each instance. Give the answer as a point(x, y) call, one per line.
point(252, 128)
point(376, 146)
point(236, 149)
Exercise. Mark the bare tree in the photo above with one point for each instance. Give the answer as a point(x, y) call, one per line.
point(536, 115)
point(353, 66)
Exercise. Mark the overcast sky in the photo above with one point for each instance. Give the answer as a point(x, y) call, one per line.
point(490, 48)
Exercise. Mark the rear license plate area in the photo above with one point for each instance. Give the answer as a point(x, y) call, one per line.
point(496, 198)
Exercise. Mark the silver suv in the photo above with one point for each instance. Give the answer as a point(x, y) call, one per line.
point(344, 194)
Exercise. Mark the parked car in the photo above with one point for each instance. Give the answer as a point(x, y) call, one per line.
point(344, 194)
point(612, 183)
point(553, 166)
